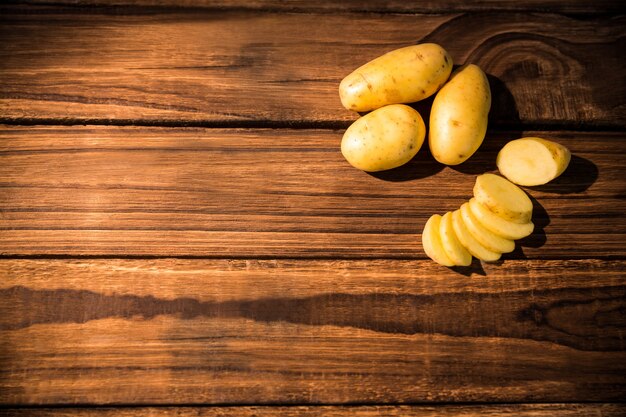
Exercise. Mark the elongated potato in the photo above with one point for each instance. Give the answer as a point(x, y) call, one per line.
point(431, 241)
point(503, 198)
point(498, 225)
point(473, 246)
point(451, 244)
point(532, 161)
point(458, 118)
point(486, 237)
point(383, 139)
point(404, 75)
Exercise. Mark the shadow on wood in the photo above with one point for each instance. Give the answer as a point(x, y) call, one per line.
point(578, 177)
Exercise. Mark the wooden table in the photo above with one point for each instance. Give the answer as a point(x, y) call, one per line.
point(181, 236)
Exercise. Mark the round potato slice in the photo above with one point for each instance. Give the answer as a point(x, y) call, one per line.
point(497, 224)
point(431, 241)
point(451, 244)
point(532, 161)
point(474, 247)
point(486, 237)
point(503, 198)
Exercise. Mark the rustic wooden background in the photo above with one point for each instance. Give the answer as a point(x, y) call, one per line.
point(180, 235)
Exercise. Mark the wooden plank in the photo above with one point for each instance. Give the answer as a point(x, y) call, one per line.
point(172, 331)
point(274, 193)
point(380, 6)
point(75, 66)
point(521, 410)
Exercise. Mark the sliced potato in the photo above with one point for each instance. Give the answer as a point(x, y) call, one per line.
point(503, 198)
point(486, 237)
point(431, 241)
point(451, 244)
point(473, 246)
point(532, 161)
point(498, 225)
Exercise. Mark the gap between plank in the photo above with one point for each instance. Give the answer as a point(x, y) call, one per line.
point(130, 9)
point(286, 124)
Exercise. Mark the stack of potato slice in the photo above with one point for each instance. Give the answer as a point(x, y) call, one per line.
point(485, 227)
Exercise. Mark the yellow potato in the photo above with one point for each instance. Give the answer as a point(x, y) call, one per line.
point(532, 161)
point(473, 246)
point(432, 242)
point(486, 237)
point(404, 75)
point(497, 224)
point(503, 198)
point(383, 139)
point(451, 244)
point(458, 118)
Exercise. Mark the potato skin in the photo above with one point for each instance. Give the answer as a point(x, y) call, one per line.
point(404, 75)
point(384, 139)
point(458, 118)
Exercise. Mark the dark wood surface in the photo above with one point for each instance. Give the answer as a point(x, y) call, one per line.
point(275, 193)
point(304, 331)
point(172, 67)
point(180, 235)
point(523, 410)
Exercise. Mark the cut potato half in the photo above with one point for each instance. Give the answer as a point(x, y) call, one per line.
point(498, 225)
point(532, 161)
point(503, 198)
point(432, 242)
point(451, 244)
point(486, 237)
point(473, 246)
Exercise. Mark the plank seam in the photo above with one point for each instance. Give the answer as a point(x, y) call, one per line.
point(129, 9)
point(294, 405)
point(289, 124)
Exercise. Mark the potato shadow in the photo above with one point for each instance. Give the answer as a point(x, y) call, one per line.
point(538, 237)
point(504, 126)
point(475, 268)
point(578, 177)
point(421, 166)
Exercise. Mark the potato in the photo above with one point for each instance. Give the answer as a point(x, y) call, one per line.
point(451, 244)
point(532, 161)
point(503, 198)
point(431, 241)
point(458, 118)
point(383, 139)
point(498, 225)
point(405, 75)
point(486, 237)
point(474, 247)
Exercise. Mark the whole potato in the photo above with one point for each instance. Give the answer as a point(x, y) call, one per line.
point(405, 75)
point(383, 139)
point(458, 118)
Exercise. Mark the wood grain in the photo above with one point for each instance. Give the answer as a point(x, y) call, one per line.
point(521, 410)
point(74, 66)
point(378, 6)
point(274, 193)
point(172, 331)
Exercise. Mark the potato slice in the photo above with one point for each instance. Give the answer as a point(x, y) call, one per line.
point(484, 236)
point(450, 242)
point(474, 247)
point(431, 241)
point(503, 198)
point(532, 161)
point(498, 225)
